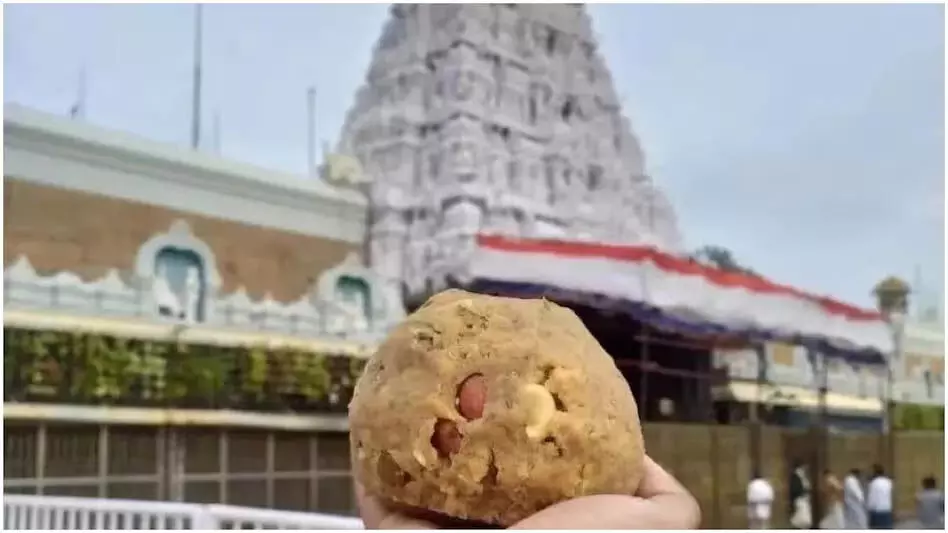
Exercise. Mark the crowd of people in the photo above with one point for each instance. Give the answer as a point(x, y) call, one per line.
point(852, 503)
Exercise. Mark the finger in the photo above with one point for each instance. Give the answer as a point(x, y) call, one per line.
point(442, 521)
point(610, 511)
point(400, 521)
point(657, 481)
point(668, 498)
point(661, 503)
point(589, 512)
point(370, 509)
point(376, 515)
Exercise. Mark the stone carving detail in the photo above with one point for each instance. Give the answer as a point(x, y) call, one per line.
point(506, 121)
point(323, 311)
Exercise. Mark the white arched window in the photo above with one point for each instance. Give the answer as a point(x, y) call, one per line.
point(179, 274)
point(355, 294)
point(356, 298)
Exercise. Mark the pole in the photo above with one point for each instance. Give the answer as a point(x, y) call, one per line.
point(196, 88)
point(643, 376)
point(217, 132)
point(758, 408)
point(78, 110)
point(889, 424)
point(896, 359)
point(311, 131)
point(917, 288)
point(820, 462)
point(651, 213)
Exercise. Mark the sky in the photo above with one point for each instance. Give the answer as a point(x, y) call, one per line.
point(808, 139)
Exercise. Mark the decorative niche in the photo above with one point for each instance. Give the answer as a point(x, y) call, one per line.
point(179, 274)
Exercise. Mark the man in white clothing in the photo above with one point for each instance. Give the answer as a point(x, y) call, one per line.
point(854, 501)
point(879, 500)
point(760, 502)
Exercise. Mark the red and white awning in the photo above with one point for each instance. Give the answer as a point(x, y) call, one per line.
point(645, 274)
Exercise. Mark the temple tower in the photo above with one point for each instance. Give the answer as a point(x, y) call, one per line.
point(495, 119)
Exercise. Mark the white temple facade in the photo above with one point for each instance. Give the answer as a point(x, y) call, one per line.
point(175, 274)
point(494, 119)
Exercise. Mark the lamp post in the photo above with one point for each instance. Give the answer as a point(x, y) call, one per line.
point(818, 432)
point(892, 300)
point(897, 326)
point(760, 351)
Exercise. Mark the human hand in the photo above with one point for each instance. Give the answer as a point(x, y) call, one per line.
point(660, 503)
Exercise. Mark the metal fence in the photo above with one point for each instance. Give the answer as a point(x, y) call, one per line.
point(310, 471)
point(288, 470)
point(58, 512)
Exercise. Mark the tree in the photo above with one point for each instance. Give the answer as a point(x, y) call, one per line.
point(721, 258)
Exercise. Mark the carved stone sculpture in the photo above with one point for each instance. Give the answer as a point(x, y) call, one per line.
point(166, 300)
point(191, 298)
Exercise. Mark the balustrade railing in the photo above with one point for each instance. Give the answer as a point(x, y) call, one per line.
point(23, 512)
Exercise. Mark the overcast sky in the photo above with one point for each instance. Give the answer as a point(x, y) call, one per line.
point(809, 139)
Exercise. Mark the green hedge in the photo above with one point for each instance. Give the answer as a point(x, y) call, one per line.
point(86, 368)
point(931, 417)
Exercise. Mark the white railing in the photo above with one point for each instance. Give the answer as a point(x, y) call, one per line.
point(58, 512)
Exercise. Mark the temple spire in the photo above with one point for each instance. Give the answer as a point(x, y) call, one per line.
point(503, 119)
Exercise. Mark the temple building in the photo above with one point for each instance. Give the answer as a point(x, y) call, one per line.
point(107, 223)
point(495, 156)
point(166, 314)
point(182, 327)
point(499, 120)
point(779, 384)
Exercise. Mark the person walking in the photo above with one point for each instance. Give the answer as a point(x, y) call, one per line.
point(930, 505)
point(832, 501)
point(801, 516)
point(879, 500)
point(760, 502)
point(854, 501)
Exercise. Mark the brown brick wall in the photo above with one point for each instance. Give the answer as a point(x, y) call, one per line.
point(59, 229)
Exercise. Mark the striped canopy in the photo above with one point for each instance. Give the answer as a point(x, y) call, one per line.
point(679, 294)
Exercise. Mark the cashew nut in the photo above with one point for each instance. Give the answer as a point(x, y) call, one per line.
point(420, 457)
point(539, 406)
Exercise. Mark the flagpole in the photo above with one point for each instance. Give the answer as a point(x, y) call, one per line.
point(311, 131)
point(918, 290)
point(196, 94)
point(82, 93)
point(78, 109)
point(217, 132)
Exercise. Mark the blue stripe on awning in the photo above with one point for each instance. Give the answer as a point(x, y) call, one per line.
point(683, 322)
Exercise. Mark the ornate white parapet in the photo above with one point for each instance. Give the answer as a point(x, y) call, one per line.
point(109, 295)
point(347, 301)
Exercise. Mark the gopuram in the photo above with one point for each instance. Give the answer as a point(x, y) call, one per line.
point(498, 120)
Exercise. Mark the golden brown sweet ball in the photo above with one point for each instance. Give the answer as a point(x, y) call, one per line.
point(491, 409)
